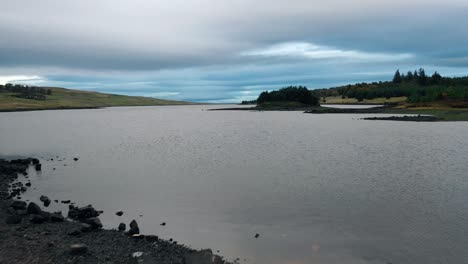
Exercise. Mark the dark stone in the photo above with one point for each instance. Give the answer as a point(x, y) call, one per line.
point(28, 184)
point(33, 208)
point(75, 159)
point(46, 215)
point(163, 223)
point(82, 213)
point(18, 205)
point(38, 219)
point(75, 232)
point(151, 238)
point(57, 217)
point(78, 249)
point(35, 161)
point(94, 222)
point(257, 235)
point(122, 227)
point(13, 219)
point(119, 213)
point(45, 200)
point(134, 229)
point(38, 167)
point(217, 259)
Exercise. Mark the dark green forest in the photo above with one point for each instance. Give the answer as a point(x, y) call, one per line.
point(417, 86)
point(24, 91)
point(298, 94)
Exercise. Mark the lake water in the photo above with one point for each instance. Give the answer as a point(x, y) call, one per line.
point(327, 188)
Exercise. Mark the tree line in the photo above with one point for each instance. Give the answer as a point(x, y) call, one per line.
point(416, 85)
point(25, 91)
point(298, 94)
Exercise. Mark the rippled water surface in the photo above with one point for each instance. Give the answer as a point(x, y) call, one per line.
point(317, 188)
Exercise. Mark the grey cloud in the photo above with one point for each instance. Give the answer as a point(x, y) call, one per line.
point(148, 35)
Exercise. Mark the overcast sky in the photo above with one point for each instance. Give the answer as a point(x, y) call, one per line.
point(226, 51)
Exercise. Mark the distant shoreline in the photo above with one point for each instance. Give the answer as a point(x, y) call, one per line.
point(84, 107)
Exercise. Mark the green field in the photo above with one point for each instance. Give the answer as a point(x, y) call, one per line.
point(68, 99)
point(380, 100)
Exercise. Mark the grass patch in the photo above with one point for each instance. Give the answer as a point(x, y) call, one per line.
point(380, 100)
point(66, 98)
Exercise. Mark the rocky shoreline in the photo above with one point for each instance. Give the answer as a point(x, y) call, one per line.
point(413, 118)
point(30, 234)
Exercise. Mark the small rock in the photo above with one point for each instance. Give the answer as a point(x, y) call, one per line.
point(163, 223)
point(13, 219)
point(56, 201)
point(75, 159)
point(134, 229)
point(18, 205)
point(66, 201)
point(257, 235)
point(37, 219)
point(119, 213)
point(35, 161)
point(28, 184)
point(137, 254)
point(45, 200)
point(122, 227)
point(78, 249)
point(38, 167)
point(33, 208)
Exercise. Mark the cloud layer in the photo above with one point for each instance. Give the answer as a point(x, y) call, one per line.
point(211, 50)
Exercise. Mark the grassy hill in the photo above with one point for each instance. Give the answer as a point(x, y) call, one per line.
point(61, 98)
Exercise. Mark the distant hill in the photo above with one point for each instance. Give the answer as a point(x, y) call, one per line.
point(20, 98)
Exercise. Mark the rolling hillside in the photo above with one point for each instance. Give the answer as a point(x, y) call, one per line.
point(61, 98)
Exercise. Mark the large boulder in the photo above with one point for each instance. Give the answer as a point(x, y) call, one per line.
point(134, 229)
point(82, 213)
point(33, 208)
point(122, 227)
point(38, 219)
point(57, 217)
